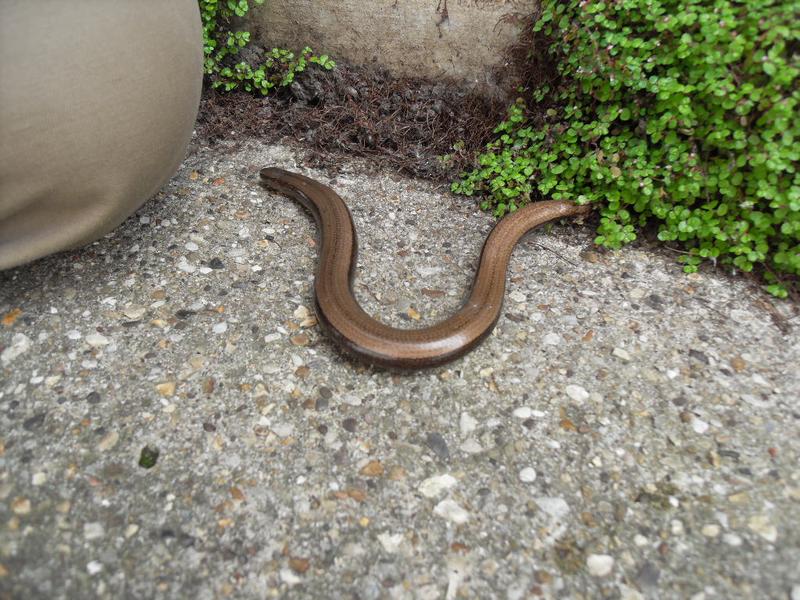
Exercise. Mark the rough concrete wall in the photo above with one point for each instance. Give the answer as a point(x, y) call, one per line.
point(460, 40)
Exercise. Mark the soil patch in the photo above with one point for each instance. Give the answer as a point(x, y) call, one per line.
point(417, 127)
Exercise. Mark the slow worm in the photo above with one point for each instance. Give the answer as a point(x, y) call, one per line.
point(370, 340)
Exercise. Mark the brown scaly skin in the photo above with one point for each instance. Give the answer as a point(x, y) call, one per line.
point(372, 341)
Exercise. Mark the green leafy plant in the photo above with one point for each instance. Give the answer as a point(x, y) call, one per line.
point(682, 113)
point(222, 47)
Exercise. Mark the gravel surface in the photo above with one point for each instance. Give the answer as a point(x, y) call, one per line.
point(174, 424)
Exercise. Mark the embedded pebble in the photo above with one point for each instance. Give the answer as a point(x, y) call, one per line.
point(732, 539)
point(762, 525)
point(622, 354)
point(283, 429)
point(108, 442)
point(467, 424)
point(97, 340)
point(523, 412)
point(301, 312)
point(94, 567)
point(428, 271)
point(551, 339)
point(134, 312)
point(450, 510)
point(20, 344)
point(710, 530)
point(599, 565)
point(289, 577)
point(471, 446)
point(21, 506)
point(185, 266)
point(220, 327)
point(351, 400)
point(577, 393)
point(34, 422)
point(373, 468)
point(434, 486)
point(300, 339)
point(638, 293)
point(757, 401)
point(131, 530)
point(699, 425)
point(553, 506)
point(391, 542)
point(676, 527)
point(629, 593)
point(93, 531)
point(166, 388)
point(741, 315)
point(527, 475)
point(437, 443)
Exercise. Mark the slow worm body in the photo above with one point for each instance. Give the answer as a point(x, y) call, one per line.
point(374, 342)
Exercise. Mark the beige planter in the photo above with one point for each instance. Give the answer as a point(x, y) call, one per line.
point(97, 104)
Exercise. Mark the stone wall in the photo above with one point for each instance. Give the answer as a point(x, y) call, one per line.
point(464, 41)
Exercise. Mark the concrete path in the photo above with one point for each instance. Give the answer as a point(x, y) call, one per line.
point(173, 423)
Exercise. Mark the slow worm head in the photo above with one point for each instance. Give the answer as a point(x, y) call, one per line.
point(372, 341)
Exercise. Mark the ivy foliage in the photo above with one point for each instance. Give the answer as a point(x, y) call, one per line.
point(682, 113)
point(222, 47)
